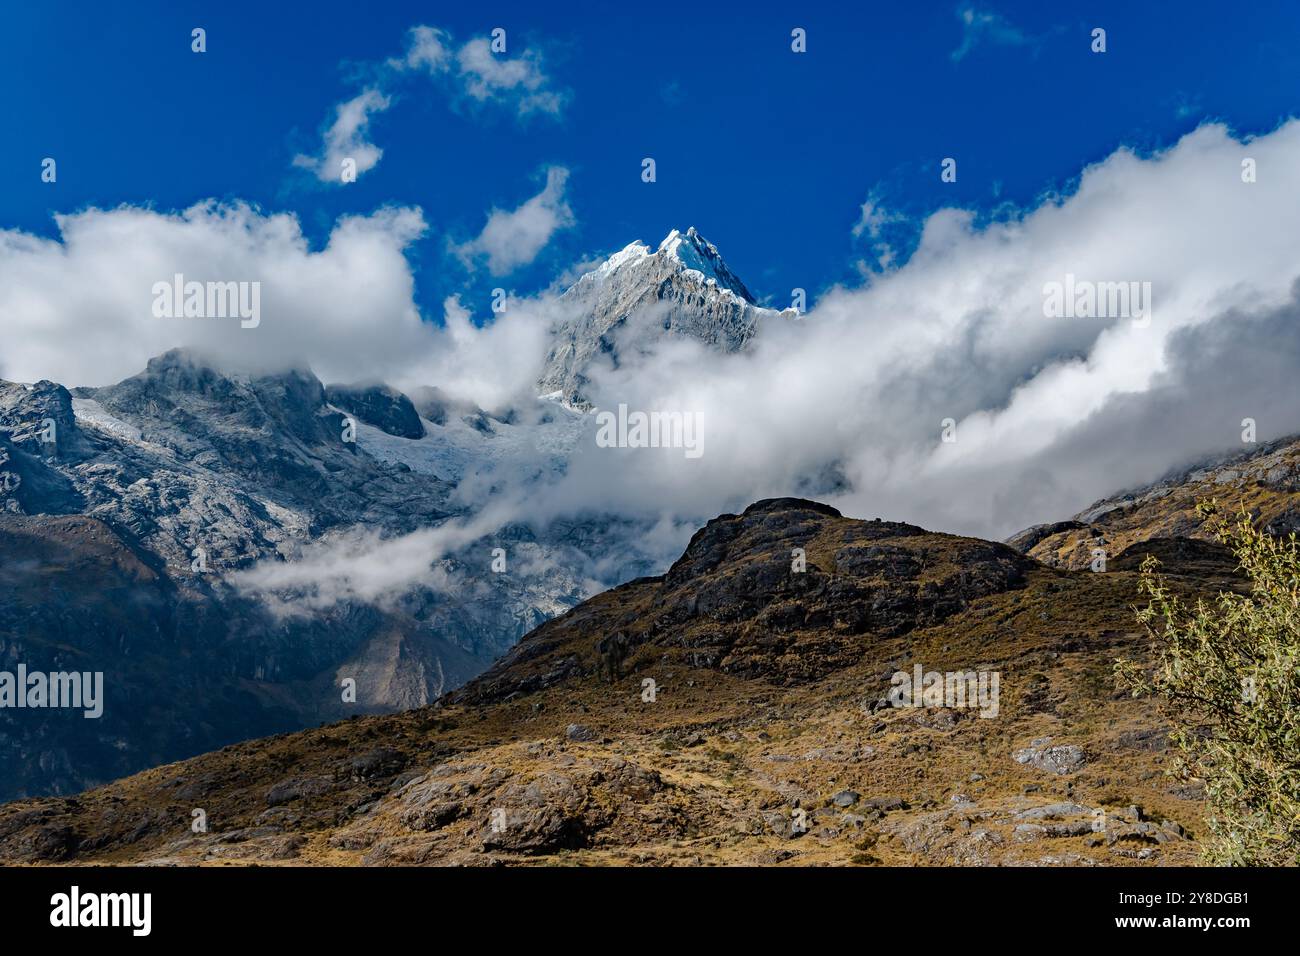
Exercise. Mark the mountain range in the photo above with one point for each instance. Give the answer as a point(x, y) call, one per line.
point(158, 529)
point(735, 709)
point(119, 537)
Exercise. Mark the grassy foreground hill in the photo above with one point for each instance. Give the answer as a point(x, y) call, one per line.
point(765, 738)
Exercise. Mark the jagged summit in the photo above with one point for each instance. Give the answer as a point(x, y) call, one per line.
point(637, 297)
point(684, 251)
point(698, 254)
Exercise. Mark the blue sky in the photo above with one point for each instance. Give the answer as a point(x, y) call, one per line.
point(770, 154)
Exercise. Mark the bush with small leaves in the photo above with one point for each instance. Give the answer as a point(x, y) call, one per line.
point(1225, 672)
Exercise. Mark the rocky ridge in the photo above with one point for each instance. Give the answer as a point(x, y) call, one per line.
point(735, 709)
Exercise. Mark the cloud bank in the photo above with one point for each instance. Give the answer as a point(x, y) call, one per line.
point(848, 404)
point(1049, 414)
point(78, 309)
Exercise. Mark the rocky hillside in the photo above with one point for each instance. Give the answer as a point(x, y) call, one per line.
point(130, 516)
point(125, 511)
point(734, 710)
point(1264, 480)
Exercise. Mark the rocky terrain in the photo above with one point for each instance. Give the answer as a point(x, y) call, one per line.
point(734, 710)
point(1265, 480)
point(730, 708)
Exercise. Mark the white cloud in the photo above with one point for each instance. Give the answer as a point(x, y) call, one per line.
point(873, 221)
point(1051, 413)
point(514, 238)
point(844, 405)
point(78, 310)
point(346, 139)
point(491, 364)
point(470, 73)
point(520, 83)
point(360, 565)
point(427, 48)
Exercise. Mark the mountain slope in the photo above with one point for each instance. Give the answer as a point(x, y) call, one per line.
point(768, 736)
point(214, 479)
point(1264, 481)
point(189, 474)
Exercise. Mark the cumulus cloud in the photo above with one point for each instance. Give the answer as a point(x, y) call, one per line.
point(513, 238)
point(494, 363)
point(79, 309)
point(846, 404)
point(346, 139)
point(468, 74)
point(520, 83)
point(849, 403)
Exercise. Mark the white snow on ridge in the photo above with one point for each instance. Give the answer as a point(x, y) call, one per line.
point(629, 253)
point(691, 251)
point(456, 449)
point(87, 411)
point(700, 256)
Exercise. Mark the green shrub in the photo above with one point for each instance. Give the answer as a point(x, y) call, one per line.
point(1225, 674)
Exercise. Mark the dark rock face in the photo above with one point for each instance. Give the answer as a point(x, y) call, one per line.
point(542, 816)
point(77, 598)
point(235, 470)
point(37, 835)
point(735, 601)
point(1024, 540)
point(1187, 554)
point(274, 428)
point(379, 405)
point(98, 531)
point(1260, 479)
point(29, 416)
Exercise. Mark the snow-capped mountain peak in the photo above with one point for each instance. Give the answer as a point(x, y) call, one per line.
point(636, 297)
point(680, 251)
point(696, 253)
